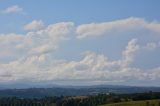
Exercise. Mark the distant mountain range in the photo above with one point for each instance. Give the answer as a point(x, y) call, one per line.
point(74, 90)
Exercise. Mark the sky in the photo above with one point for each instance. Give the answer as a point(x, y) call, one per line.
point(85, 42)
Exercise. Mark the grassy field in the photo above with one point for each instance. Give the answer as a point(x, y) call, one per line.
point(137, 103)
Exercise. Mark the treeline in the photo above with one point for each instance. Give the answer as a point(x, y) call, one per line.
point(95, 100)
point(14, 101)
point(108, 98)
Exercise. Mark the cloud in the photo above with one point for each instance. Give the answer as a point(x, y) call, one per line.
point(106, 28)
point(15, 9)
point(47, 39)
point(93, 67)
point(10, 38)
point(130, 51)
point(151, 46)
point(30, 57)
point(34, 25)
point(26, 54)
point(35, 42)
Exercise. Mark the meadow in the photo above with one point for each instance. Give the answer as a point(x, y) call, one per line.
point(137, 103)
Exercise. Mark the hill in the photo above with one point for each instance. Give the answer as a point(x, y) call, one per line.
point(137, 103)
point(74, 91)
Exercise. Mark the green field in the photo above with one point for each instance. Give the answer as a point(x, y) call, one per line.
point(137, 103)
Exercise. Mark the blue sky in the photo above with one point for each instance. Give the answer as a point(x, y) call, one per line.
point(80, 42)
point(77, 11)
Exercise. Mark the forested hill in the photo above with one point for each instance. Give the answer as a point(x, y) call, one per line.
point(134, 99)
point(74, 91)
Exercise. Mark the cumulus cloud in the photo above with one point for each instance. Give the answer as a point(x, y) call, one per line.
point(13, 9)
point(106, 28)
point(35, 42)
point(130, 51)
point(34, 25)
point(33, 56)
point(93, 67)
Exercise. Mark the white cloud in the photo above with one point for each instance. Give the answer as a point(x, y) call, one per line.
point(47, 39)
point(34, 25)
point(35, 42)
point(34, 59)
point(92, 68)
point(106, 28)
point(29, 52)
point(10, 38)
point(130, 51)
point(13, 9)
point(151, 46)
